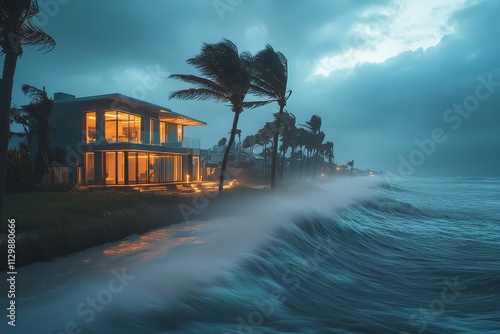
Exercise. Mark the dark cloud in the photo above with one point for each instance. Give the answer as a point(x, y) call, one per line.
point(374, 112)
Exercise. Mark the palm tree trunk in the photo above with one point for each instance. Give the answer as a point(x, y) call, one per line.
point(228, 148)
point(9, 68)
point(282, 165)
point(315, 162)
point(301, 163)
point(274, 157)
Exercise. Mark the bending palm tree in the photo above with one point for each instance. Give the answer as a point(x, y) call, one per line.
point(226, 78)
point(16, 30)
point(269, 79)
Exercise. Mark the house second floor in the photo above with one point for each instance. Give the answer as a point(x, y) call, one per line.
point(118, 121)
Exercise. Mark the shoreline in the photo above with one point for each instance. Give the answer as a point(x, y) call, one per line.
point(56, 224)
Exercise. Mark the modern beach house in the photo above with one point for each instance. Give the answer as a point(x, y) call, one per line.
point(115, 140)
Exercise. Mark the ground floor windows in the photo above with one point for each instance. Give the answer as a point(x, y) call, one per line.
point(196, 169)
point(142, 167)
point(114, 168)
point(124, 167)
point(165, 168)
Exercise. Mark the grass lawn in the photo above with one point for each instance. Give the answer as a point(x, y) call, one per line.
point(51, 224)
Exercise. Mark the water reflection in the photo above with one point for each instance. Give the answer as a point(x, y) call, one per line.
point(149, 245)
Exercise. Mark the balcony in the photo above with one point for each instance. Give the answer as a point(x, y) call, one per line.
point(187, 142)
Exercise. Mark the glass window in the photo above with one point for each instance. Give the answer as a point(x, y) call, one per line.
point(110, 164)
point(90, 130)
point(122, 127)
point(180, 133)
point(121, 167)
point(154, 174)
point(177, 168)
point(110, 132)
point(163, 132)
point(142, 167)
point(132, 167)
point(196, 169)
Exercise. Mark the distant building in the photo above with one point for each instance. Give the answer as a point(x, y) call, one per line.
point(114, 139)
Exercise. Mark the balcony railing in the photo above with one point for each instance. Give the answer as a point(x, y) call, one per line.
point(187, 142)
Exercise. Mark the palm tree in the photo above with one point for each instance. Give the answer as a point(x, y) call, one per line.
point(301, 140)
point(249, 142)
point(263, 137)
point(226, 78)
point(222, 142)
point(314, 124)
point(288, 139)
point(35, 120)
point(238, 148)
point(269, 79)
point(329, 154)
point(314, 138)
point(16, 30)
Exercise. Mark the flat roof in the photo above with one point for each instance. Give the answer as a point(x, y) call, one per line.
point(163, 112)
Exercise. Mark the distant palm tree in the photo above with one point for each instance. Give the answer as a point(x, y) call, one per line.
point(350, 164)
point(269, 79)
point(301, 140)
point(263, 137)
point(238, 133)
point(288, 139)
point(16, 30)
point(249, 142)
point(329, 154)
point(222, 142)
point(35, 119)
point(314, 139)
point(314, 124)
point(226, 78)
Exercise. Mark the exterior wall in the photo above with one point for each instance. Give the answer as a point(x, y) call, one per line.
point(68, 117)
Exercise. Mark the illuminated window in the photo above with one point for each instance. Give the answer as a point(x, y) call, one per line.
point(196, 169)
point(122, 127)
point(120, 167)
point(177, 168)
point(180, 133)
point(142, 167)
point(132, 167)
point(163, 132)
point(110, 170)
point(90, 130)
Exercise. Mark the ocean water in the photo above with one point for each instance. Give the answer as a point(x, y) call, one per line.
point(358, 255)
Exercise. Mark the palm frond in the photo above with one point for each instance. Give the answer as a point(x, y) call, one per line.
point(199, 81)
point(198, 94)
point(256, 104)
point(17, 29)
point(35, 37)
point(269, 74)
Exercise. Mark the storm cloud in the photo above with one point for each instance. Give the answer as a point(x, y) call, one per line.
point(385, 76)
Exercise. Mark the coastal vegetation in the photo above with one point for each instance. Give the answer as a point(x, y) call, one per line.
point(17, 29)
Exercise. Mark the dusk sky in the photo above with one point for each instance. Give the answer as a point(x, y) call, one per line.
point(415, 81)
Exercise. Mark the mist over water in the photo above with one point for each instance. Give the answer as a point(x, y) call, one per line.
point(360, 255)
